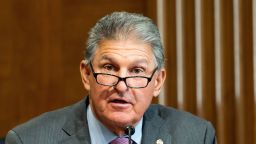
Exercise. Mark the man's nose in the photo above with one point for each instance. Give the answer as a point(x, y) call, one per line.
point(121, 86)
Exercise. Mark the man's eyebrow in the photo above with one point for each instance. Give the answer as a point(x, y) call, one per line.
point(141, 61)
point(105, 57)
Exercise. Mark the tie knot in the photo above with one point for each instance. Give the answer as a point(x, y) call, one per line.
point(120, 140)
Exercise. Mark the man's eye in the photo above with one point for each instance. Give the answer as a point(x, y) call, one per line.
point(137, 71)
point(108, 67)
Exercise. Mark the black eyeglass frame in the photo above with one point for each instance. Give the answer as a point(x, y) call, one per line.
point(121, 78)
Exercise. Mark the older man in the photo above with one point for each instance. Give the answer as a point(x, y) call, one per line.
point(123, 70)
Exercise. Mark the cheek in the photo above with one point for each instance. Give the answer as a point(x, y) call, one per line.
point(98, 96)
point(143, 99)
point(95, 89)
point(97, 93)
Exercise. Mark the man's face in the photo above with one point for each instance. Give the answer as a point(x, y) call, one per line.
point(118, 106)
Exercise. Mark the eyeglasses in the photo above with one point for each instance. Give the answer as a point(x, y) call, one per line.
point(130, 81)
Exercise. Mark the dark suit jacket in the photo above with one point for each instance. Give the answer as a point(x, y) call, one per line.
point(2, 140)
point(69, 126)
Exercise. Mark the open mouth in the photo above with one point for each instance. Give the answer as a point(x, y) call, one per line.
point(119, 101)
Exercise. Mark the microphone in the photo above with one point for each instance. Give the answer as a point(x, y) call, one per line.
point(129, 130)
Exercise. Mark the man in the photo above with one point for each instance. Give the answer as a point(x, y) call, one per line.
point(122, 71)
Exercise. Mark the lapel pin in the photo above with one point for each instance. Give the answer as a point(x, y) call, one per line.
point(159, 141)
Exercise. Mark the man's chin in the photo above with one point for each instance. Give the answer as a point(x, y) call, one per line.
point(122, 120)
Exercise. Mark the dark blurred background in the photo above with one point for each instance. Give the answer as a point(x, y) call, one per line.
point(210, 47)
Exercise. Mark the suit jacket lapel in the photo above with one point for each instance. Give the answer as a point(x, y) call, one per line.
point(77, 129)
point(76, 126)
point(80, 137)
point(153, 129)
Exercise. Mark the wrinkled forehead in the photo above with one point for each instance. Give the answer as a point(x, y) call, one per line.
point(130, 49)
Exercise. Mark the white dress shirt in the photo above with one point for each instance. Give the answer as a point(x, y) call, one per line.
point(101, 135)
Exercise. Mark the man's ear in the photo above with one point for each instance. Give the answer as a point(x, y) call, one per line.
point(159, 81)
point(85, 73)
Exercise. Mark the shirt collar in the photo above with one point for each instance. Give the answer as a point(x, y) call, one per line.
point(99, 134)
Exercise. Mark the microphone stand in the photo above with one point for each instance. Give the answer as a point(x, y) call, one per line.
point(129, 130)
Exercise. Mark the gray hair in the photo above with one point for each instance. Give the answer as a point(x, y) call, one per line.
point(121, 26)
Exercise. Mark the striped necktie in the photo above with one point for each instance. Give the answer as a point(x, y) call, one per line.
point(121, 140)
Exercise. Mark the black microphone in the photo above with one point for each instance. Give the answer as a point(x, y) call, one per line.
point(129, 130)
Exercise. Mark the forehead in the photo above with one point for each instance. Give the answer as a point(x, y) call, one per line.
point(128, 50)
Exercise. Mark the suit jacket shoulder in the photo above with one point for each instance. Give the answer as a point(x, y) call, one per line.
point(69, 126)
point(176, 126)
point(51, 127)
